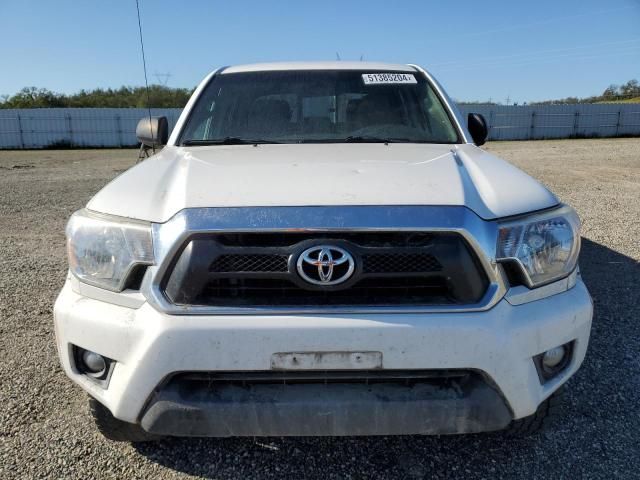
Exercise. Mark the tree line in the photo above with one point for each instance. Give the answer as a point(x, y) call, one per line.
point(627, 92)
point(613, 93)
point(167, 97)
point(123, 97)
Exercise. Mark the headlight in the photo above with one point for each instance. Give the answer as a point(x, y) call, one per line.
point(546, 246)
point(102, 250)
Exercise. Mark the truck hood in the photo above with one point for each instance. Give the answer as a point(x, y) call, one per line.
point(321, 174)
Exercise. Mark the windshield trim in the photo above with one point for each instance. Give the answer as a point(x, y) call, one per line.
point(450, 108)
point(460, 137)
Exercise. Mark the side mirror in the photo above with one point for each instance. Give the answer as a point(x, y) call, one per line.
point(153, 131)
point(477, 128)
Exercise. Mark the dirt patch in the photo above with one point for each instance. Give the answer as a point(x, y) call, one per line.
point(45, 430)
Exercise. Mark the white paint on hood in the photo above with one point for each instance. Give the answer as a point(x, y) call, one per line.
point(321, 174)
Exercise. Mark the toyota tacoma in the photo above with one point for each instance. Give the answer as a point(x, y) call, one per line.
point(321, 249)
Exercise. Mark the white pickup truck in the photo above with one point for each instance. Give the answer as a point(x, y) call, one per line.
point(321, 249)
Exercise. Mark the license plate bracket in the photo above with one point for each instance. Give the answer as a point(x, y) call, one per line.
point(326, 361)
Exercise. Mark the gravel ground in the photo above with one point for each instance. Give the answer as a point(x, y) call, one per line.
point(45, 430)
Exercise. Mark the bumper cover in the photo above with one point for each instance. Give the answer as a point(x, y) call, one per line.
point(149, 347)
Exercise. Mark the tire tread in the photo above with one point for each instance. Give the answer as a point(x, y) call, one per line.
point(115, 429)
point(547, 413)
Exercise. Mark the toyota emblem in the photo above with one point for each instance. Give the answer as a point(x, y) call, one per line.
point(325, 265)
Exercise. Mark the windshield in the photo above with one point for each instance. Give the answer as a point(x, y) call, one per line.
point(318, 106)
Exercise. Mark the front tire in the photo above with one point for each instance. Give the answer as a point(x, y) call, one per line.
point(545, 416)
point(114, 429)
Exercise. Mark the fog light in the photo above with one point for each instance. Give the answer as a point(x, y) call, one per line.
point(553, 361)
point(94, 363)
point(554, 357)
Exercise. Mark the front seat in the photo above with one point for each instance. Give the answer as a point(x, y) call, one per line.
point(377, 109)
point(269, 116)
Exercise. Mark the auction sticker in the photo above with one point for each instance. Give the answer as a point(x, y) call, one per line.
point(379, 78)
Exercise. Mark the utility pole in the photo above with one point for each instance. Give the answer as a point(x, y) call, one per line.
point(163, 78)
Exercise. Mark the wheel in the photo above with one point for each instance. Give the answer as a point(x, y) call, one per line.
point(115, 429)
point(545, 416)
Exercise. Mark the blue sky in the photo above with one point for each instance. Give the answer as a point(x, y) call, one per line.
point(479, 50)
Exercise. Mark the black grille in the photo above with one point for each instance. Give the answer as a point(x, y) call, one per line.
point(250, 263)
point(400, 262)
point(368, 377)
point(391, 268)
point(374, 263)
point(249, 292)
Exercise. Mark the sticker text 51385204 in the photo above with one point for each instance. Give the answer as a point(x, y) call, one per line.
point(378, 78)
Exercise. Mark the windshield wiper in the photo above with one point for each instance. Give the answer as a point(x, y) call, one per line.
point(226, 141)
point(370, 139)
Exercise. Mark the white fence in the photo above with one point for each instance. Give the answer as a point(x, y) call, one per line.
point(115, 127)
point(559, 121)
point(81, 127)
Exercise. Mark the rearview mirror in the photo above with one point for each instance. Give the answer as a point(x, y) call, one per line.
point(477, 128)
point(153, 131)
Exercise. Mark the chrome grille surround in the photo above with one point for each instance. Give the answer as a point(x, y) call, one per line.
point(480, 234)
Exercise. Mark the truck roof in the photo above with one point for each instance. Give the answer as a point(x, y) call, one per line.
point(339, 65)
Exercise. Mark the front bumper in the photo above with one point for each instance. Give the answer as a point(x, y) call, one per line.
point(462, 403)
point(149, 347)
